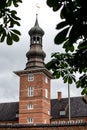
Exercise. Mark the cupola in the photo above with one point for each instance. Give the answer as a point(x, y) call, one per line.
point(36, 30)
point(35, 55)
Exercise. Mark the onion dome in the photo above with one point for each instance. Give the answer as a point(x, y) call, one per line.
point(35, 55)
point(36, 29)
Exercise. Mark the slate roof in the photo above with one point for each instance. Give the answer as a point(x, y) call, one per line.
point(78, 107)
point(8, 111)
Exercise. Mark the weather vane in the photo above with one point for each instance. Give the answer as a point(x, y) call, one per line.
point(37, 8)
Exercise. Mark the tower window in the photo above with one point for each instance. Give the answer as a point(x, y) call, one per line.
point(46, 80)
point(34, 39)
point(46, 93)
point(30, 77)
point(30, 106)
point(30, 120)
point(38, 39)
point(30, 91)
point(48, 112)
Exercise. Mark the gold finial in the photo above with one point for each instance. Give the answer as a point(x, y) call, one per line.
point(37, 8)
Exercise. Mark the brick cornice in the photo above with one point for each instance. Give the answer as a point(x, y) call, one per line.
point(36, 70)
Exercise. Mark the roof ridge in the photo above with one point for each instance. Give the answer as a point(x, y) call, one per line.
point(8, 102)
point(67, 97)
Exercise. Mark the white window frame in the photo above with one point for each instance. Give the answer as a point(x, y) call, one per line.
point(48, 112)
point(46, 80)
point(46, 93)
point(30, 106)
point(62, 113)
point(31, 77)
point(30, 91)
point(30, 120)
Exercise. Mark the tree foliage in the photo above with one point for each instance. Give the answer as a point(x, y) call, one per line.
point(8, 20)
point(73, 38)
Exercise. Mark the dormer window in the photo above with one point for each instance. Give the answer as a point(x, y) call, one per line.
point(62, 113)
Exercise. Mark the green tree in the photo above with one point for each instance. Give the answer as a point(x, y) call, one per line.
point(8, 20)
point(61, 68)
point(72, 36)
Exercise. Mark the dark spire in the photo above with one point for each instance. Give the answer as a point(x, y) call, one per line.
point(36, 23)
point(36, 29)
point(35, 55)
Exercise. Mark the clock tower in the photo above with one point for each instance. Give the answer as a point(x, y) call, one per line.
point(34, 100)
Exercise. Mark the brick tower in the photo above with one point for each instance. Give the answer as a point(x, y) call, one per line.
point(34, 101)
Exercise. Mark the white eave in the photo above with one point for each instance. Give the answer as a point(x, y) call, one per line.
point(35, 70)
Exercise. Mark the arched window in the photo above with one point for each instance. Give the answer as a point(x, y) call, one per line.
point(34, 39)
point(38, 39)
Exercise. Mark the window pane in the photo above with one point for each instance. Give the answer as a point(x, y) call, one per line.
point(30, 77)
point(30, 106)
point(38, 39)
point(46, 93)
point(34, 39)
point(30, 120)
point(62, 113)
point(46, 80)
point(30, 91)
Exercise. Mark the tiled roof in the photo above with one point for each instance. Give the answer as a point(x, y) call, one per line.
point(78, 107)
point(44, 126)
point(8, 111)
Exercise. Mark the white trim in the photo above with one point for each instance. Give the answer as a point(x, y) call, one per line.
point(46, 93)
point(30, 106)
point(31, 77)
point(62, 113)
point(46, 80)
point(30, 120)
point(30, 91)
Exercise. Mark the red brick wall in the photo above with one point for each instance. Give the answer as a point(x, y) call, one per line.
point(41, 110)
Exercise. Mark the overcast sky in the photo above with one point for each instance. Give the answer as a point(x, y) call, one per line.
point(13, 58)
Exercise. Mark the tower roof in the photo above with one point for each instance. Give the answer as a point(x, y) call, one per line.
point(35, 55)
point(36, 29)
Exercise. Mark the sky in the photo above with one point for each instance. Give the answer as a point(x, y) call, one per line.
point(13, 58)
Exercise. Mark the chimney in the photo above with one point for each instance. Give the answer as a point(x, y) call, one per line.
point(59, 95)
